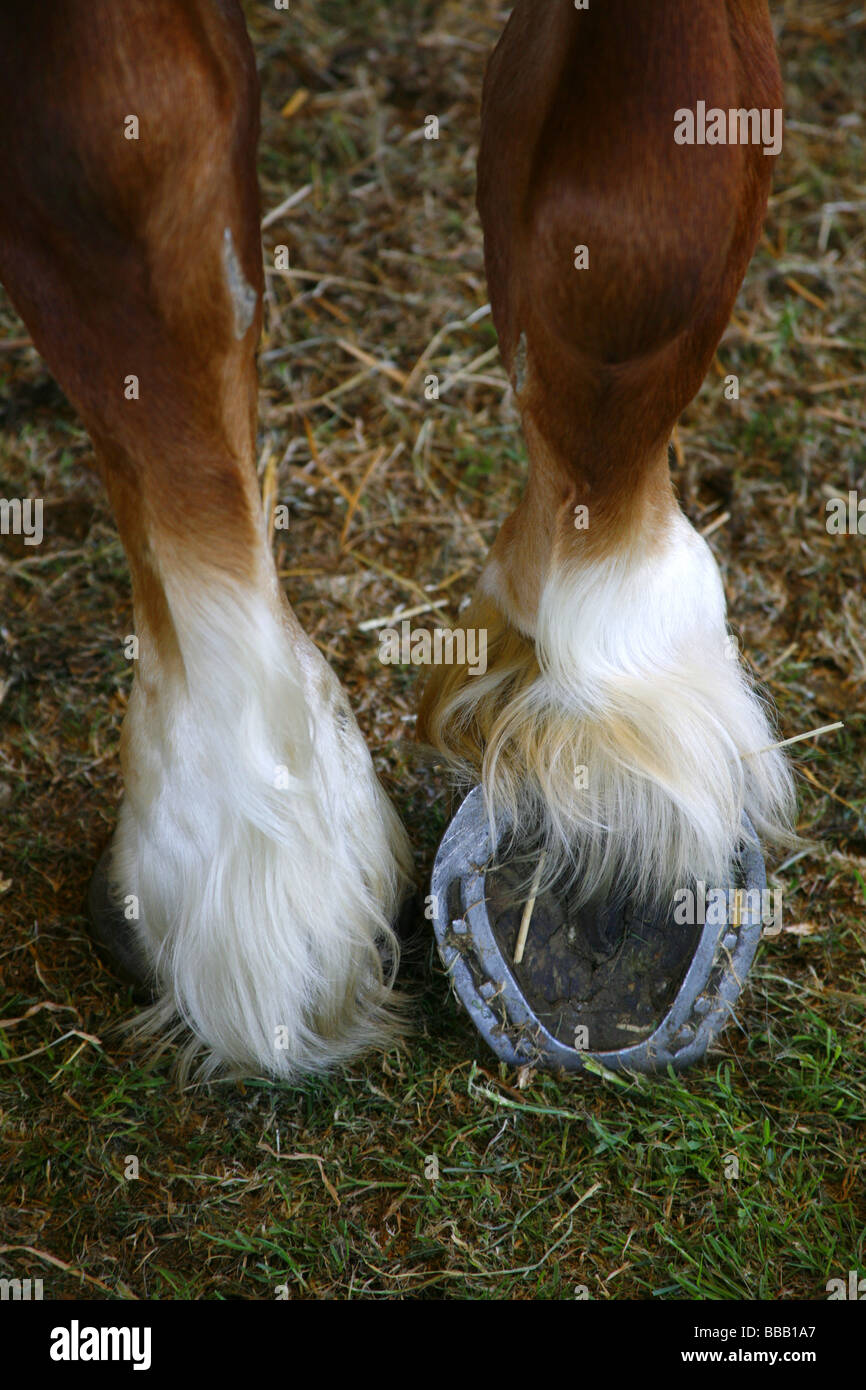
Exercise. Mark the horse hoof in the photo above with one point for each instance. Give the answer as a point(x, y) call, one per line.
point(114, 933)
point(610, 983)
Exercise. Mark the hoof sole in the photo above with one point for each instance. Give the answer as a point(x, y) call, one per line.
point(611, 986)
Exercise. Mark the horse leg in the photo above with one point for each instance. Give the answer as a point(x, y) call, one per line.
point(611, 715)
point(256, 853)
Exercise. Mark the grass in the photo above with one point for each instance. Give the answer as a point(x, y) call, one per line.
point(624, 1189)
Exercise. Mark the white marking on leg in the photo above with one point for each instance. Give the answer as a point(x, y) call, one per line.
point(243, 296)
point(267, 860)
point(637, 688)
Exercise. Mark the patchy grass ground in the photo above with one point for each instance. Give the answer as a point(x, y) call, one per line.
point(622, 1187)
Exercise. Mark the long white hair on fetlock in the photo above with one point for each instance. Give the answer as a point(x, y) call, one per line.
point(624, 738)
point(267, 861)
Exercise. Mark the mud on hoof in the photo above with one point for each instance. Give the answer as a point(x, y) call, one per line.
point(611, 981)
point(114, 934)
point(611, 969)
